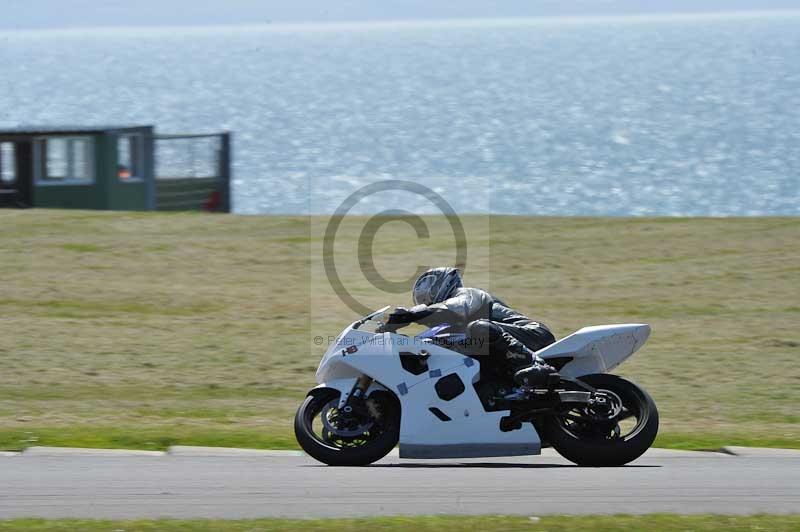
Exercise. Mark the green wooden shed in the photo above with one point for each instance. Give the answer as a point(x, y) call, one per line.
point(114, 168)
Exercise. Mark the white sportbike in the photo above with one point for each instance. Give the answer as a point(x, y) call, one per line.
point(379, 388)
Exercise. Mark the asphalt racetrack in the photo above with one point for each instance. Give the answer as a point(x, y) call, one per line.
point(196, 483)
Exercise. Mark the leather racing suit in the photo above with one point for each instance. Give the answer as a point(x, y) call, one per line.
point(494, 330)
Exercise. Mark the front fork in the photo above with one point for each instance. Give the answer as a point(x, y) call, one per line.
point(358, 391)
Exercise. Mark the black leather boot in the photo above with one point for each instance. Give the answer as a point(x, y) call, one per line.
point(538, 375)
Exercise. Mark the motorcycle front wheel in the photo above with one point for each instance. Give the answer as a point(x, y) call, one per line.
point(363, 435)
point(614, 435)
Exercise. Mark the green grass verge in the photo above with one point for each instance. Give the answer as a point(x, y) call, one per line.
point(159, 439)
point(146, 329)
point(708, 441)
point(145, 438)
point(653, 522)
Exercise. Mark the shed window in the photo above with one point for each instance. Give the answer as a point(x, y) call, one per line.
point(8, 168)
point(129, 157)
point(66, 160)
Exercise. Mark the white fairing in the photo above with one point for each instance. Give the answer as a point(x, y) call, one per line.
point(597, 349)
point(470, 430)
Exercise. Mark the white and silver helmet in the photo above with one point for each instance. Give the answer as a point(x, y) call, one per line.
point(436, 285)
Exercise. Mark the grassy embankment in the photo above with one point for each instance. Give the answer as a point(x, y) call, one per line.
point(654, 522)
point(143, 330)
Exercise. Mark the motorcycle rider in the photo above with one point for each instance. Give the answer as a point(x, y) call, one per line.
point(506, 336)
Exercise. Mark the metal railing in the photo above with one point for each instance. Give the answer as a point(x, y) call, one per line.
point(193, 172)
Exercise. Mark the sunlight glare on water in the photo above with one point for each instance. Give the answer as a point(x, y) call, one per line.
point(665, 116)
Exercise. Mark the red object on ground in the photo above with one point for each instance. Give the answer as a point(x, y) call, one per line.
point(213, 202)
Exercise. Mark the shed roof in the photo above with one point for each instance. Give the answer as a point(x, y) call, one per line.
point(67, 130)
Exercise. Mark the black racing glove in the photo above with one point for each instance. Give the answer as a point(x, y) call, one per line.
point(403, 316)
point(399, 318)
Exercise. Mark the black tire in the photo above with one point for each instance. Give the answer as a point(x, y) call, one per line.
point(372, 450)
point(606, 450)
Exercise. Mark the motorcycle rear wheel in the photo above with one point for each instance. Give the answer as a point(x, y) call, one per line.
point(586, 441)
point(327, 443)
